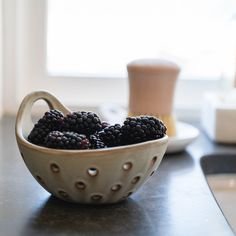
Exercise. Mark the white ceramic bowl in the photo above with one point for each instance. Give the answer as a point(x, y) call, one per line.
point(86, 176)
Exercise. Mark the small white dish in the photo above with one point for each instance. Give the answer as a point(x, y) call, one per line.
point(185, 134)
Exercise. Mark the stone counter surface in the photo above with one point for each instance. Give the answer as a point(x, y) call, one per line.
point(175, 201)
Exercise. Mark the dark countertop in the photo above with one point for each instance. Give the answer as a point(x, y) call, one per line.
point(175, 201)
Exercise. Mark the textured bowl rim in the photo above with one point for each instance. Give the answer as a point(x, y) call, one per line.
point(157, 142)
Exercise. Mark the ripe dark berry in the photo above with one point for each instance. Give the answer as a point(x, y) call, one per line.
point(142, 128)
point(52, 120)
point(53, 117)
point(66, 140)
point(111, 135)
point(96, 142)
point(82, 122)
point(38, 133)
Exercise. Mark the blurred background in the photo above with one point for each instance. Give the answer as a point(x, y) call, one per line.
point(78, 50)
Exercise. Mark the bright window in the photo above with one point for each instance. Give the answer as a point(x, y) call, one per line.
point(98, 38)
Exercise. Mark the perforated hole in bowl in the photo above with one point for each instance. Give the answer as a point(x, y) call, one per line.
point(80, 185)
point(92, 171)
point(96, 197)
point(154, 159)
point(135, 180)
point(54, 168)
point(116, 187)
point(127, 166)
point(63, 194)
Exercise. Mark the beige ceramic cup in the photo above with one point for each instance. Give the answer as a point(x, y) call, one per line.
point(151, 89)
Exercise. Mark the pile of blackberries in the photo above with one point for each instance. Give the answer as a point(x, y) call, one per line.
point(85, 130)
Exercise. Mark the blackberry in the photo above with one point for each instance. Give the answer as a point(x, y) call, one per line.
point(142, 128)
point(111, 135)
point(52, 120)
point(82, 122)
point(66, 140)
point(96, 142)
point(38, 133)
point(52, 117)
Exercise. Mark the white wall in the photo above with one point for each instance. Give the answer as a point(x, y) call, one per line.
point(9, 56)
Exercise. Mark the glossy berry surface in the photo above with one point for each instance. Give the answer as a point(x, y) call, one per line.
point(52, 120)
point(111, 135)
point(82, 122)
point(66, 140)
point(142, 128)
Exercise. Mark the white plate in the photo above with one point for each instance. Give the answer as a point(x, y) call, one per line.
point(185, 134)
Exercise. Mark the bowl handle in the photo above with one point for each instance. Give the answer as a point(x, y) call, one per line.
point(24, 123)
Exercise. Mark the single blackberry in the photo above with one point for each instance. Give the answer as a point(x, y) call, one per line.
point(38, 133)
point(111, 135)
point(52, 117)
point(82, 122)
point(96, 142)
point(52, 120)
point(66, 140)
point(142, 128)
